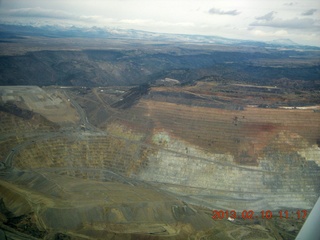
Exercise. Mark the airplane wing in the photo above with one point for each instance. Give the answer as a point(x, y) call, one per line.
point(311, 228)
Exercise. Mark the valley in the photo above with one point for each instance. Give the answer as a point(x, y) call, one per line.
point(119, 138)
point(179, 151)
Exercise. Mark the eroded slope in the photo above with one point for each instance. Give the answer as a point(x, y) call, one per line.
point(138, 173)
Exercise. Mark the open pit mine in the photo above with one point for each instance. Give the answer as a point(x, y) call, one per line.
point(197, 161)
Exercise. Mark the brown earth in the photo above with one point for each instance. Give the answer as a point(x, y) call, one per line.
point(132, 177)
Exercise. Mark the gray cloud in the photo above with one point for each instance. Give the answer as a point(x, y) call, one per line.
point(295, 23)
point(309, 12)
point(222, 12)
point(268, 17)
point(290, 4)
point(40, 13)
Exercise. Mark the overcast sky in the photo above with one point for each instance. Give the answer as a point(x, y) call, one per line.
point(298, 20)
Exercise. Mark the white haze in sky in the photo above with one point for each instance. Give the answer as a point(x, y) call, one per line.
point(265, 20)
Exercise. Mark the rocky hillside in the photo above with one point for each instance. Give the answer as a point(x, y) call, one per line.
point(107, 62)
point(160, 165)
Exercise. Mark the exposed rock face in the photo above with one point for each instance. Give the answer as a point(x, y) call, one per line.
point(263, 158)
point(279, 180)
point(311, 154)
point(154, 162)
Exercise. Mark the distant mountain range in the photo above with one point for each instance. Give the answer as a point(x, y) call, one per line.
point(53, 31)
point(282, 41)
